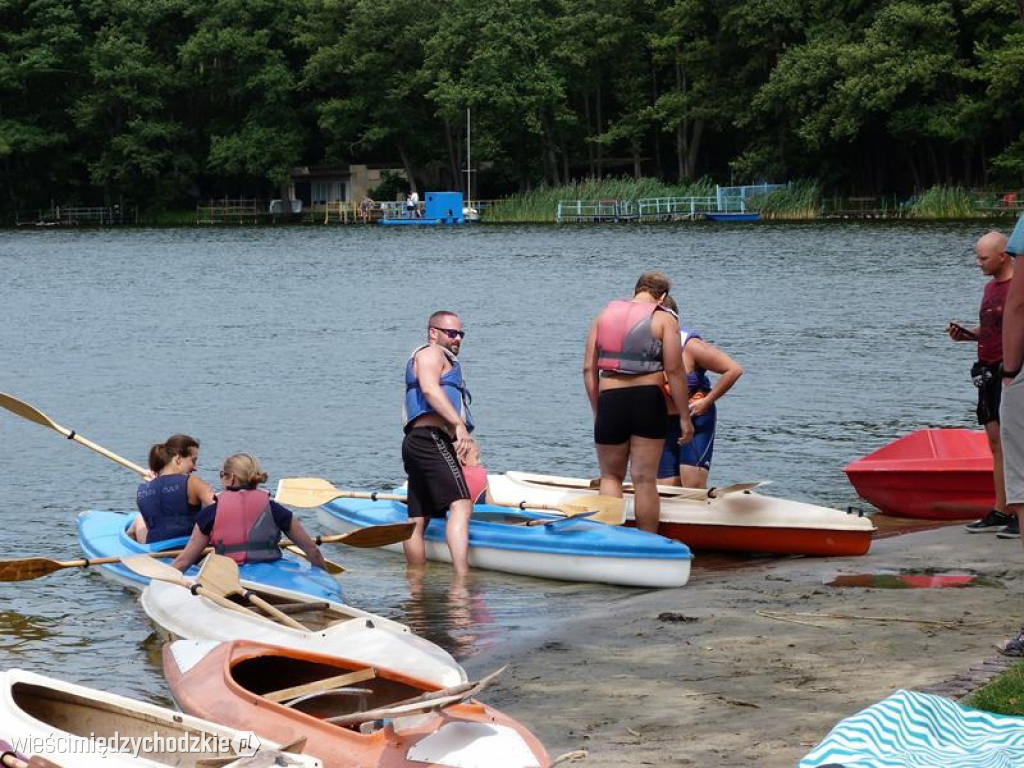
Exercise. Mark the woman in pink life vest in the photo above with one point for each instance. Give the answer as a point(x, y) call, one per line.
point(632, 347)
point(244, 523)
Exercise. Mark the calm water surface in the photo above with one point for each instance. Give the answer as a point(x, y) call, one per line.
point(290, 343)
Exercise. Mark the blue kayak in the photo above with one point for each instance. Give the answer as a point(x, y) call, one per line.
point(568, 549)
point(102, 534)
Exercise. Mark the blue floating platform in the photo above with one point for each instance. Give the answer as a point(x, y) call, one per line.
point(440, 209)
point(721, 216)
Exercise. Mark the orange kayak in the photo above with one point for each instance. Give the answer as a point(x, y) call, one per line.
point(350, 714)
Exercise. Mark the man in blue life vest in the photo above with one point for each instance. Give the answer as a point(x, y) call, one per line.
point(437, 428)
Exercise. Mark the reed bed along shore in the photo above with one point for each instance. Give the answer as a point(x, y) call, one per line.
point(800, 200)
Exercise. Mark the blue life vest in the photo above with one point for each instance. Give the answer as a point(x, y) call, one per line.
point(164, 505)
point(696, 381)
point(452, 384)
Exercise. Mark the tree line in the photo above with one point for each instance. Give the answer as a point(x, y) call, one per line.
point(158, 102)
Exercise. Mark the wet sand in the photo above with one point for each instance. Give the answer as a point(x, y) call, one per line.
point(742, 667)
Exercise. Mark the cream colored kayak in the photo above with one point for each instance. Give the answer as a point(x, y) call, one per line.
point(739, 522)
point(333, 628)
point(75, 727)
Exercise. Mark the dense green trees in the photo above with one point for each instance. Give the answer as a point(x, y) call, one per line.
point(156, 102)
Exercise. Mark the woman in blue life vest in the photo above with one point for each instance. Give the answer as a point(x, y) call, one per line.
point(689, 464)
point(169, 501)
point(244, 523)
point(632, 347)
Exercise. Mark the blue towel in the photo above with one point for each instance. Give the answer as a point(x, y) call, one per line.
point(914, 730)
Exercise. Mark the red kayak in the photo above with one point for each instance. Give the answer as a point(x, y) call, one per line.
point(933, 474)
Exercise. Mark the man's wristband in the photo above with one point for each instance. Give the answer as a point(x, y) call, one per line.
point(1011, 374)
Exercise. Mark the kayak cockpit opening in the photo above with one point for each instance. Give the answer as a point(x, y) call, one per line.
point(340, 690)
point(316, 615)
point(91, 719)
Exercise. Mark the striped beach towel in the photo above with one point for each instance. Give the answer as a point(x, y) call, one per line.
point(918, 730)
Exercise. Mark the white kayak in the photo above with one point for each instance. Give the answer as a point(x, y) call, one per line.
point(742, 521)
point(78, 727)
point(334, 629)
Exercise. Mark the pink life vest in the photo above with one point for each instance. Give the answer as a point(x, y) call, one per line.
point(476, 479)
point(244, 527)
point(625, 342)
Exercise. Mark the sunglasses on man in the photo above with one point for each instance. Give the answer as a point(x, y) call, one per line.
point(450, 333)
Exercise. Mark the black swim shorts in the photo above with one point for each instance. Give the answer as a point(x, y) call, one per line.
point(435, 475)
point(990, 392)
point(622, 413)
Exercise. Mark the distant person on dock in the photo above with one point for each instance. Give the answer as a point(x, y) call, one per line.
point(986, 372)
point(244, 523)
point(437, 428)
point(169, 501)
point(1012, 406)
point(412, 205)
point(632, 347)
point(365, 208)
point(689, 464)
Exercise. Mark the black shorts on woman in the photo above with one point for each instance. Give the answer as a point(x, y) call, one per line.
point(435, 475)
point(628, 411)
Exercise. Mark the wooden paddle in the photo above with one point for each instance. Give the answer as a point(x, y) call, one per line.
point(220, 574)
point(446, 697)
point(154, 569)
point(315, 492)
point(31, 413)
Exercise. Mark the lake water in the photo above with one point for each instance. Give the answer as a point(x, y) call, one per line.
point(290, 343)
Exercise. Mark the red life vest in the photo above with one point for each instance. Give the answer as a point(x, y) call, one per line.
point(476, 480)
point(244, 527)
point(625, 342)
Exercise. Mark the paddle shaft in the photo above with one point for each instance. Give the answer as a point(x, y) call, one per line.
point(33, 414)
point(522, 505)
point(25, 569)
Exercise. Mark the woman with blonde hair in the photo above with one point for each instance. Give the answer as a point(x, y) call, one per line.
point(244, 523)
point(632, 347)
point(169, 501)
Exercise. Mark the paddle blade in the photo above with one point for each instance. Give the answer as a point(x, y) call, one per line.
point(606, 509)
point(154, 569)
point(219, 574)
point(26, 411)
point(28, 568)
point(371, 536)
point(305, 492)
point(332, 568)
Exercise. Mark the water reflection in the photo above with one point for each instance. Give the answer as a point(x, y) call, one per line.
point(18, 630)
point(450, 610)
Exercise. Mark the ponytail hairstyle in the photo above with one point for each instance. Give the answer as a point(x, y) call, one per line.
point(245, 469)
point(161, 454)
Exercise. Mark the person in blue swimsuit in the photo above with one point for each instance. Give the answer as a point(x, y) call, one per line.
point(168, 502)
point(688, 464)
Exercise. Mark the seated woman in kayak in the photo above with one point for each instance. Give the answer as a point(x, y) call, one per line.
point(244, 523)
point(688, 465)
point(168, 503)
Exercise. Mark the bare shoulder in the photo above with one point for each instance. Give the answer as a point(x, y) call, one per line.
point(665, 322)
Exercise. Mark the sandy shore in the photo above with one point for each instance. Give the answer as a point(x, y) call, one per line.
point(701, 676)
